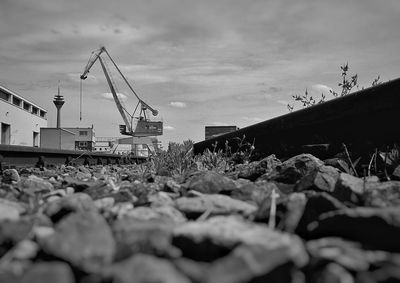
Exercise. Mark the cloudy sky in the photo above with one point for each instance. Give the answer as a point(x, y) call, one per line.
point(208, 62)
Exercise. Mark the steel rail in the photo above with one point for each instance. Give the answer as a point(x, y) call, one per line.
point(25, 156)
point(367, 119)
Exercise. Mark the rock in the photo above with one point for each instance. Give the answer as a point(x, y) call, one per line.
point(121, 209)
point(381, 275)
point(10, 176)
point(194, 270)
point(375, 228)
point(10, 210)
point(255, 262)
point(167, 213)
point(141, 192)
point(396, 172)
point(256, 169)
point(250, 171)
point(348, 254)
point(285, 188)
point(171, 213)
point(12, 232)
point(104, 204)
point(98, 190)
point(160, 199)
point(83, 176)
point(382, 194)
point(269, 163)
point(253, 170)
point(333, 273)
point(145, 268)
point(59, 192)
point(55, 272)
point(171, 185)
point(256, 192)
point(82, 238)
point(294, 169)
point(264, 209)
point(76, 184)
point(294, 211)
point(248, 263)
point(217, 236)
point(41, 232)
point(123, 196)
point(136, 236)
point(316, 205)
point(349, 188)
point(213, 204)
point(209, 182)
point(25, 249)
point(34, 184)
point(323, 178)
point(78, 202)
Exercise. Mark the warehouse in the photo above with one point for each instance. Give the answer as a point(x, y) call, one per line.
point(20, 119)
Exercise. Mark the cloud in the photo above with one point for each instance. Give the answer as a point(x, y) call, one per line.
point(252, 119)
point(178, 104)
point(109, 96)
point(219, 124)
point(168, 128)
point(284, 102)
point(321, 88)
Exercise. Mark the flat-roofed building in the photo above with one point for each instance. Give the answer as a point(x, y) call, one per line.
point(57, 138)
point(84, 138)
point(138, 146)
point(20, 119)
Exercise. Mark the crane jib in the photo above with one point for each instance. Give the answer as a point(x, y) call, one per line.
point(144, 127)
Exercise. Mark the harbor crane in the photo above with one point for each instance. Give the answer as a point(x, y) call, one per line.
point(137, 126)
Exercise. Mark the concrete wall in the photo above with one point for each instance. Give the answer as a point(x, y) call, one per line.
point(22, 123)
point(57, 138)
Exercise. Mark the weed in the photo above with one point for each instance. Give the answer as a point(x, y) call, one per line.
point(177, 160)
point(347, 84)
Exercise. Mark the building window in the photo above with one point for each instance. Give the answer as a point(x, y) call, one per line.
point(82, 143)
point(4, 95)
point(27, 106)
point(42, 113)
point(5, 133)
point(34, 110)
point(83, 133)
point(16, 101)
point(35, 139)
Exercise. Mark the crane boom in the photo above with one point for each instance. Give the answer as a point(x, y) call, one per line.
point(115, 96)
point(144, 129)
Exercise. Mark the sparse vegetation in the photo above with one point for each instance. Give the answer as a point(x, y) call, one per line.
point(347, 84)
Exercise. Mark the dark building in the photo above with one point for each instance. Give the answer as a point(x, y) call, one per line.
point(213, 131)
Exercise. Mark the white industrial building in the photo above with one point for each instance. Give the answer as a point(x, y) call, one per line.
point(20, 119)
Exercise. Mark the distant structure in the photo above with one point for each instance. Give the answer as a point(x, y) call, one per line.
point(68, 138)
point(57, 138)
point(214, 131)
point(84, 138)
point(58, 102)
point(20, 119)
point(124, 146)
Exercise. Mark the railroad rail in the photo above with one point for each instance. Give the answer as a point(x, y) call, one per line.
point(365, 119)
point(25, 156)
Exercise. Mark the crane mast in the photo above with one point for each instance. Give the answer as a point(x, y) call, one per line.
point(147, 128)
